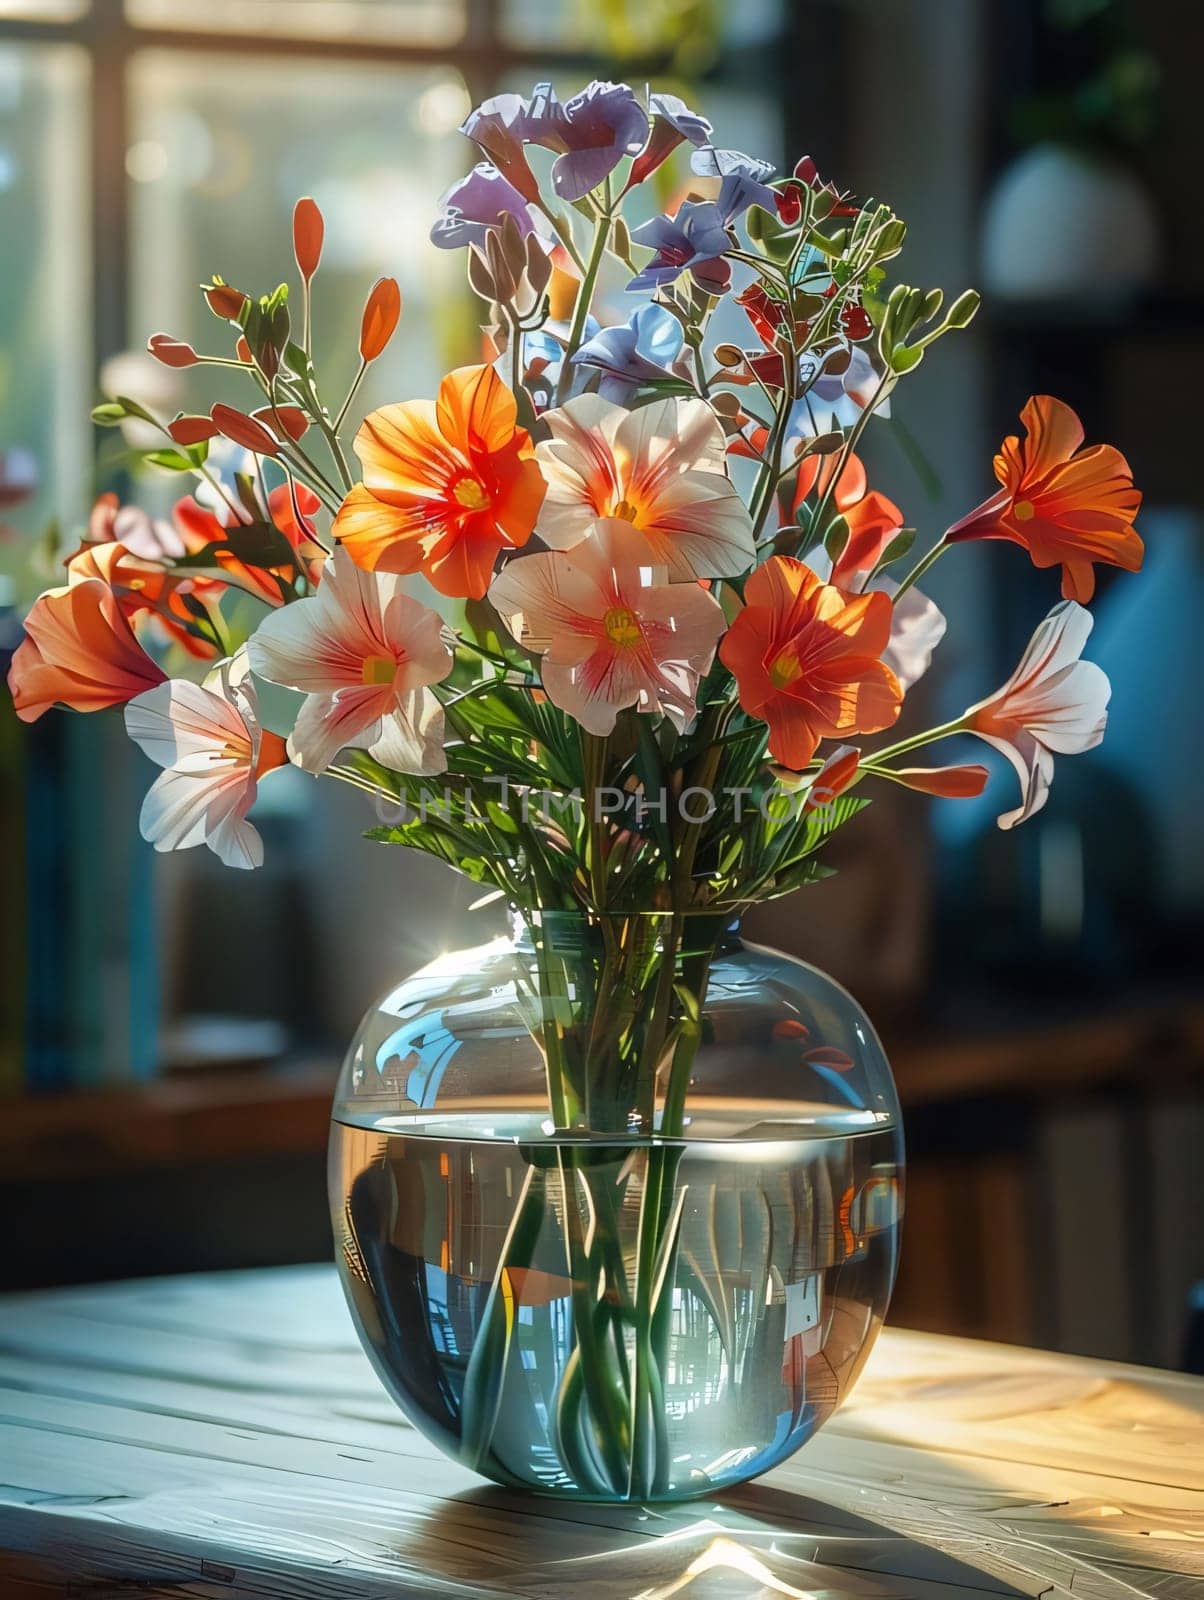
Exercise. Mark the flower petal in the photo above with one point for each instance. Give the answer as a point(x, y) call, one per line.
point(328, 723)
point(185, 727)
point(917, 627)
point(411, 737)
point(184, 809)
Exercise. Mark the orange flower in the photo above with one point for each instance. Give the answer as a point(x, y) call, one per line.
point(872, 519)
point(806, 659)
point(1064, 504)
point(200, 529)
point(79, 651)
point(148, 596)
point(447, 485)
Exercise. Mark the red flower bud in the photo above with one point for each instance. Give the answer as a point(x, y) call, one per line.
point(790, 205)
point(242, 349)
point(308, 232)
point(380, 317)
point(291, 418)
point(192, 430)
point(171, 352)
point(225, 301)
point(856, 323)
point(244, 430)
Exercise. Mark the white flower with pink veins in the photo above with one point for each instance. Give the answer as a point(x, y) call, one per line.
point(208, 739)
point(1053, 704)
point(661, 467)
point(364, 653)
point(612, 631)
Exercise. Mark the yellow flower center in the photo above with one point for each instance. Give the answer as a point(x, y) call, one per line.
point(622, 626)
point(625, 510)
point(1023, 510)
point(785, 668)
point(470, 494)
point(379, 669)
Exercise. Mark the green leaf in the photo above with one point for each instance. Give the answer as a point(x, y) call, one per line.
point(296, 360)
point(256, 544)
point(835, 538)
point(825, 444)
point(905, 357)
point(897, 548)
point(172, 460)
point(109, 414)
point(116, 410)
point(500, 817)
point(961, 313)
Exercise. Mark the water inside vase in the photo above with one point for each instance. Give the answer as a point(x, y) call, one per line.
point(617, 1320)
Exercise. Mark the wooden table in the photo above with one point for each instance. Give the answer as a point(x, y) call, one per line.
point(223, 1436)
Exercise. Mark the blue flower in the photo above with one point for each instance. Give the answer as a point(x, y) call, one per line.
point(833, 400)
point(641, 350)
point(546, 346)
point(694, 240)
point(741, 180)
point(672, 123)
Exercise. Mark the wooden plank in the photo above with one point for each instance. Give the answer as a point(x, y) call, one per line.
point(223, 1435)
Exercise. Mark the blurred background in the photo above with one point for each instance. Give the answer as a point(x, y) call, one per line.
point(170, 1030)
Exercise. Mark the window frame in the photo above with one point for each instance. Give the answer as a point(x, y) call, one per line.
point(483, 56)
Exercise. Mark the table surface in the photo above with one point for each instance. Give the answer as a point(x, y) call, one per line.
point(223, 1436)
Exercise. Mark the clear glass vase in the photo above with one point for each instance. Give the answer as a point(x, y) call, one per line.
point(616, 1203)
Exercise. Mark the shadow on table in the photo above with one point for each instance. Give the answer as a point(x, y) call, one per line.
point(756, 1541)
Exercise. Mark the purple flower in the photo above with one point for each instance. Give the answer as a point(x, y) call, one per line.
point(741, 180)
point(672, 123)
point(592, 132)
point(475, 204)
point(498, 126)
point(694, 241)
point(680, 118)
point(641, 350)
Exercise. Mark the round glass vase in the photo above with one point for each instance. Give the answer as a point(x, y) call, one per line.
point(616, 1203)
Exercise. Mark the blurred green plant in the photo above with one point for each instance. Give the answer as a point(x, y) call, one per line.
point(1108, 101)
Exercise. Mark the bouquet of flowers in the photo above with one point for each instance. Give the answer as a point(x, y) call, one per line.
point(673, 610)
point(667, 630)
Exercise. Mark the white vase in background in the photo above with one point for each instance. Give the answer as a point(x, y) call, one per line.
point(1060, 224)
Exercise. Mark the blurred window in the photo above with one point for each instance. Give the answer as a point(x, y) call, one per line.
point(42, 10)
point(410, 22)
point(45, 325)
point(217, 158)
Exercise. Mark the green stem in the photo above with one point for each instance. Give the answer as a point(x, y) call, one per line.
point(850, 444)
point(585, 296)
point(769, 475)
point(922, 566)
point(351, 394)
point(930, 736)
